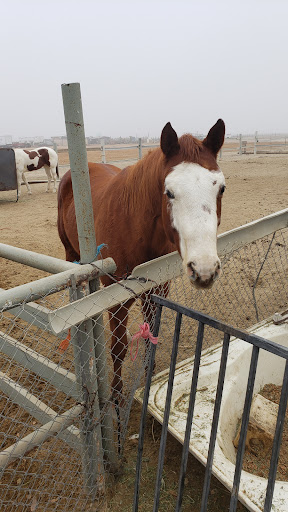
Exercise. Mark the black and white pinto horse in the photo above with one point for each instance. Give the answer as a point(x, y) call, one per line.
point(32, 161)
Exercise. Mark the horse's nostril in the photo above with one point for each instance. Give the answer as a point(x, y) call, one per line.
point(217, 272)
point(193, 275)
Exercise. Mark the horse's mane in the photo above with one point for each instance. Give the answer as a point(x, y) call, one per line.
point(149, 171)
point(190, 148)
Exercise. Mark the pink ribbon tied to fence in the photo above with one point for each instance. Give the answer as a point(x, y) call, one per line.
point(144, 333)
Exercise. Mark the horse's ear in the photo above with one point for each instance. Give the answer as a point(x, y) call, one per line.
point(215, 138)
point(169, 141)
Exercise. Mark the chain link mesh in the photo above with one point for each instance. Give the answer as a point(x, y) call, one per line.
point(50, 476)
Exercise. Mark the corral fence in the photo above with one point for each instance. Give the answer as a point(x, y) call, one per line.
point(140, 147)
point(256, 144)
point(126, 154)
point(228, 331)
point(239, 145)
point(61, 432)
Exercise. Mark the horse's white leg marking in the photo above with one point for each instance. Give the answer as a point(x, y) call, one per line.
point(48, 173)
point(21, 167)
point(53, 172)
point(19, 181)
point(26, 183)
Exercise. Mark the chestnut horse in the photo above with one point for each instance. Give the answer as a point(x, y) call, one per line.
point(171, 199)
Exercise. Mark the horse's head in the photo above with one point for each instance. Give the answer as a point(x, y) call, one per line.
point(191, 208)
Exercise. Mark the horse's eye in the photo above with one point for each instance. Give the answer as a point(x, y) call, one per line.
point(222, 190)
point(169, 194)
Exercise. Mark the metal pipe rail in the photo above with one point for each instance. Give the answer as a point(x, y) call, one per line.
point(89, 341)
point(34, 313)
point(271, 145)
point(60, 378)
point(114, 148)
point(51, 284)
point(36, 438)
point(157, 271)
point(34, 259)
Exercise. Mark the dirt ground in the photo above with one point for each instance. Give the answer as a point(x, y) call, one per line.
point(256, 186)
point(257, 460)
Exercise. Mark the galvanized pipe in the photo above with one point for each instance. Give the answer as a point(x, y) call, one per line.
point(86, 375)
point(20, 396)
point(87, 363)
point(34, 259)
point(62, 380)
point(160, 270)
point(47, 285)
point(79, 171)
point(37, 437)
point(104, 387)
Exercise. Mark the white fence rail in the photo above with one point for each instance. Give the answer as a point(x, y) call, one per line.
point(240, 144)
point(257, 144)
point(139, 147)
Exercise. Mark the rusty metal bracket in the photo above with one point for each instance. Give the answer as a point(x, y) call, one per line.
point(280, 318)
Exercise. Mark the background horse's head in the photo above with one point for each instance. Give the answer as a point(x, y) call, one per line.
point(191, 207)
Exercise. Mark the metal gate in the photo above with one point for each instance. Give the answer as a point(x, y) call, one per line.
point(257, 343)
point(8, 176)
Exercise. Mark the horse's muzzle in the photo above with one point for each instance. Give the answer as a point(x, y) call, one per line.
point(206, 277)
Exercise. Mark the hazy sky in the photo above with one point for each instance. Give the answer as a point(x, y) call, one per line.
point(143, 63)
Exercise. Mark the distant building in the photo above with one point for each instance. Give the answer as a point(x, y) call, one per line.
point(90, 141)
point(32, 141)
point(5, 140)
point(60, 140)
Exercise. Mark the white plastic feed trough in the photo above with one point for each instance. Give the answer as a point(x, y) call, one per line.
point(270, 370)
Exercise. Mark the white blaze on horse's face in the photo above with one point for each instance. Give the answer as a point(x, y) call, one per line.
point(192, 192)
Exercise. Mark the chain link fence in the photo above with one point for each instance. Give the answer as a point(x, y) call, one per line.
point(61, 429)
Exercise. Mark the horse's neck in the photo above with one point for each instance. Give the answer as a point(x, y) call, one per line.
point(142, 202)
point(128, 216)
point(143, 184)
